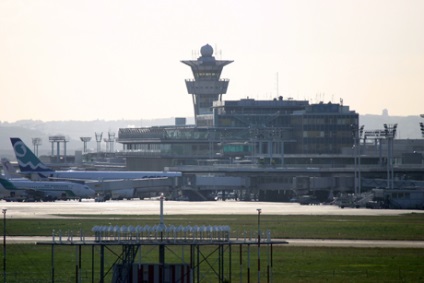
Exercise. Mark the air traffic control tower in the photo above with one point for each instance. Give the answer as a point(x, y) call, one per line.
point(207, 86)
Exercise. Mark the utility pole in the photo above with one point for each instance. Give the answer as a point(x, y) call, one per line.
point(4, 244)
point(259, 244)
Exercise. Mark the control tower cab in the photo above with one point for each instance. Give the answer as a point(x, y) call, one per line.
point(207, 86)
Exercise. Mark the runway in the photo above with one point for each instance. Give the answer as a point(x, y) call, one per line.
point(291, 242)
point(59, 209)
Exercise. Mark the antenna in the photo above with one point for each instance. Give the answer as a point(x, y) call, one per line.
point(277, 85)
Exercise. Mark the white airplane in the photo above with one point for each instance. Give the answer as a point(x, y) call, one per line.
point(29, 163)
point(11, 173)
point(44, 189)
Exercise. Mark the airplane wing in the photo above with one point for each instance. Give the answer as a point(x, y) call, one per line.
point(78, 181)
point(110, 185)
point(101, 185)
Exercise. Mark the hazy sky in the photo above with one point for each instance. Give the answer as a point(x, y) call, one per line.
point(87, 60)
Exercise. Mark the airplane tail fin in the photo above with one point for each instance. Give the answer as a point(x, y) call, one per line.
point(8, 170)
point(28, 162)
point(6, 184)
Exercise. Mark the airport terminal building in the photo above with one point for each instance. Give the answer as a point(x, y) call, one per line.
point(268, 148)
point(250, 130)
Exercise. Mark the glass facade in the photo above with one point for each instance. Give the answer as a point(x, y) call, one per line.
point(274, 129)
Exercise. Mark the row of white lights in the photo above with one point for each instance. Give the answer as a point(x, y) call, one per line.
point(113, 233)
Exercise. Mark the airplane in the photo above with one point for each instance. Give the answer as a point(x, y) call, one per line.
point(8, 170)
point(29, 163)
point(43, 190)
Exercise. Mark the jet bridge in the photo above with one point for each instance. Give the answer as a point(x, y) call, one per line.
point(133, 188)
point(221, 182)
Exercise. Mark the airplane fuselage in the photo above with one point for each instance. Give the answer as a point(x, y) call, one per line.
point(109, 175)
point(55, 189)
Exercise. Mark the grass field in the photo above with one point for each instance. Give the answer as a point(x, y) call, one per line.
point(401, 227)
point(32, 263)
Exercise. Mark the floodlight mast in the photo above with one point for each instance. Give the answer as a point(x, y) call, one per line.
point(98, 140)
point(390, 134)
point(110, 140)
point(36, 142)
point(85, 140)
point(57, 139)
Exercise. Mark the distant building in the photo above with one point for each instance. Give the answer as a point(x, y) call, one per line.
point(385, 113)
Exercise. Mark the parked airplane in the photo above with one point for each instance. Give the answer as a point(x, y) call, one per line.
point(42, 190)
point(31, 164)
point(11, 173)
point(8, 170)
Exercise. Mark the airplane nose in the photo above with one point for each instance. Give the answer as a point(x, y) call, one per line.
point(89, 192)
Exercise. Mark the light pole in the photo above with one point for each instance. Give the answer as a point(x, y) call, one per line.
point(357, 135)
point(4, 244)
point(390, 133)
point(259, 244)
point(259, 224)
